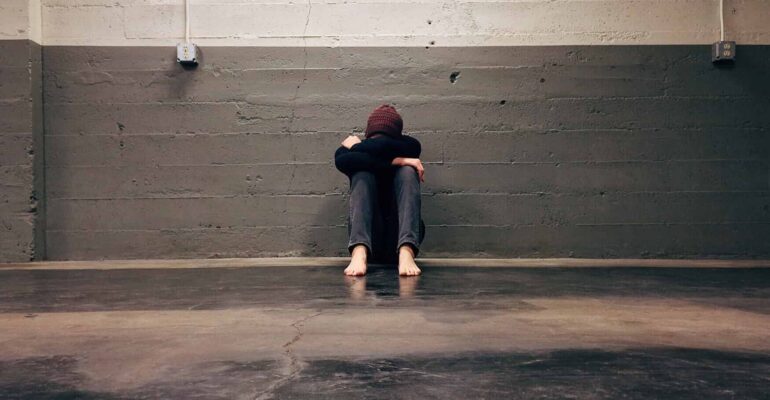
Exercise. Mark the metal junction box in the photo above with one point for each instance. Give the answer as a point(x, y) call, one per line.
point(723, 52)
point(187, 54)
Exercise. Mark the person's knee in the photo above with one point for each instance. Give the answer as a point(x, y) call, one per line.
point(406, 173)
point(363, 177)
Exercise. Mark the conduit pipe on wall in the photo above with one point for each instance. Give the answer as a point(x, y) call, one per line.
point(722, 51)
point(187, 22)
point(187, 53)
point(721, 20)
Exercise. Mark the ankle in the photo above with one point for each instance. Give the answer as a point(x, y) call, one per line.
point(406, 251)
point(359, 252)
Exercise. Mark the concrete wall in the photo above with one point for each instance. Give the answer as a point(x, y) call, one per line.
point(22, 222)
point(574, 128)
point(597, 151)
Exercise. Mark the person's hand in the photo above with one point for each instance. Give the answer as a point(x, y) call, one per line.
point(411, 162)
point(350, 141)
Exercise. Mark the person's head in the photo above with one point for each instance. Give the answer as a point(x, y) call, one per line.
point(386, 120)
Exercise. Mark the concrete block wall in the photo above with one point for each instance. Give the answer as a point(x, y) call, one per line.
point(570, 128)
point(22, 217)
point(621, 151)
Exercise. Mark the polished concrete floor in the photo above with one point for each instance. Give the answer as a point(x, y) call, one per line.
point(454, 333)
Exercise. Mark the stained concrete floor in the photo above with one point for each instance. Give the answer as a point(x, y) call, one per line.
point(453, 333)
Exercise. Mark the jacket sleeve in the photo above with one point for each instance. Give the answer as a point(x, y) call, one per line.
point(389, 148)
point(349, 162)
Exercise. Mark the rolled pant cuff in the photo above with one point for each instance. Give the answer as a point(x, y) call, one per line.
point(369, 252)
point(412, 243)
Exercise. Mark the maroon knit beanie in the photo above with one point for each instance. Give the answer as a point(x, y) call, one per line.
point(384, 119)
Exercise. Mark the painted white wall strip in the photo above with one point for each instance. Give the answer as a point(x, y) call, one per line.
point(416, 23)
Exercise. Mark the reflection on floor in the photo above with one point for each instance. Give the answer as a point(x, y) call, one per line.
point(310, 332)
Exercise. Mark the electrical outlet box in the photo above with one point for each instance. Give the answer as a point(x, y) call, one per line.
point(187, 54)
point(723, 52)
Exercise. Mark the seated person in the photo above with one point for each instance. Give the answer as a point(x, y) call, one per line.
point(385, 174)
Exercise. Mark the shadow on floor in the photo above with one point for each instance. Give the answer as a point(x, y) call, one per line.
point(642, 373)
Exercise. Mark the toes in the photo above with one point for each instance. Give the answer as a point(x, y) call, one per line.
point(355, 270)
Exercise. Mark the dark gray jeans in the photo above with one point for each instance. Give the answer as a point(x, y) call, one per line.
point(385, 213)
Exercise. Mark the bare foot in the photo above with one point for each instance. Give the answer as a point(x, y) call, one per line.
point(357, 266)
point(406, 264)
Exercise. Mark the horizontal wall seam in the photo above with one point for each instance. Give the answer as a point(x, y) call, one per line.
point(655, 132)
point(428, 193)
point(433, 163)
point(483, 41)
point(484, 226)
point(438, 98)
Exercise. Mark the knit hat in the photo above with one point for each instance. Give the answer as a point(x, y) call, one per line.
point(384, 119)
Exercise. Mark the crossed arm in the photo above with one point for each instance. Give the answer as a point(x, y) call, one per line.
point(378, 154)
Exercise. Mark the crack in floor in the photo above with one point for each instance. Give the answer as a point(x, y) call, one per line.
point(295, 366)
